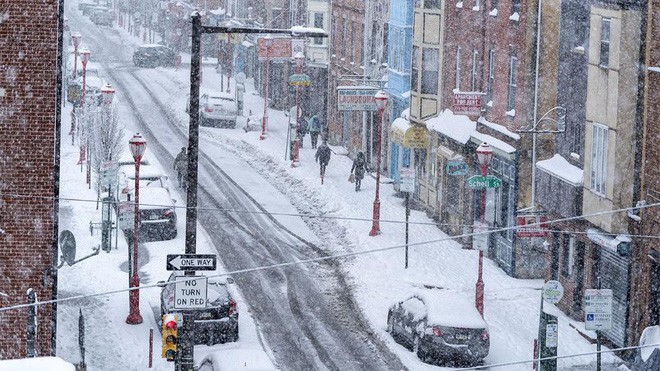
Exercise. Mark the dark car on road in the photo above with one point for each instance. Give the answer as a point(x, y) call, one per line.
point(154, 55)
point(157, 214)
point(218, 322)
point(440, 327)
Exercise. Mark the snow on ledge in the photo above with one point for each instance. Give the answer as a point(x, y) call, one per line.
point(476, 8)
point(511, 113)
point(493, 13)
point(500, 128)
point(559, 167)
point(459, 4)
point(515, 17)
point(650, 336)
point(456, 127)
point(654, 69)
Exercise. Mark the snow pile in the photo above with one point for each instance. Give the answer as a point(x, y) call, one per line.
point(559, 167)
point(457, 127)
point(37, 364)
point(650, 336)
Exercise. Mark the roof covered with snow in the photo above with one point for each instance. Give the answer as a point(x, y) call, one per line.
point(457, 127)
point(559, 167)
point(500, 128)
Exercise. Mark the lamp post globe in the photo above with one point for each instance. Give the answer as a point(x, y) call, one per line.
point(380, 98)
point(137, 145)
point(108, 93)
point(484, 156)
point(75, 37)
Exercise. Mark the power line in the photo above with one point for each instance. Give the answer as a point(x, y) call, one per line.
point(322, 216)
point(314, 260)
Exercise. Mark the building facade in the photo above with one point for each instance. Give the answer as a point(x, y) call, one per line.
point(30, 171)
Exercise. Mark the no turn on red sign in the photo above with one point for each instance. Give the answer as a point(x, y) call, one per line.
point(190, 292)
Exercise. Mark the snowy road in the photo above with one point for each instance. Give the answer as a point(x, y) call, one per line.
point(306, 313)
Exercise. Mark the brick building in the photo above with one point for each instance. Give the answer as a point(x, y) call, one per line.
point(28, 170)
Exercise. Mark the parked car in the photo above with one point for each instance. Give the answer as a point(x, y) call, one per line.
point(440, 327)
point(157, 214)
point(216, 108)
point(101, 15)
point(150, 176)
point(218, 322)
point(243, 359)
point(154, 55)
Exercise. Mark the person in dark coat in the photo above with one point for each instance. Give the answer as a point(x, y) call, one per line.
point(323, 156)
point(360, 167)
point(181, 167)
point(302, 131)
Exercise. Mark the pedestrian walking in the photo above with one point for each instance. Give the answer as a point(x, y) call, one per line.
point(323, 154)
point(359, 167)
point(314, 126)
point(302, 131)
point(181, 167)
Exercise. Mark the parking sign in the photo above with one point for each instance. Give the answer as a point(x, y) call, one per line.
point(598, 309)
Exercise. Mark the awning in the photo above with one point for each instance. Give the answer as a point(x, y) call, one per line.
point(500, 148)
point(407, 135)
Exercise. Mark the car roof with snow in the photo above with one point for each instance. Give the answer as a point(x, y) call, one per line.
point(127, 159)
point(217, 94)
point(155, 198)
point(146, 172)
point(447, 308)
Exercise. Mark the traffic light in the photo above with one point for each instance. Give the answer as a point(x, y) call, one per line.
point(170, 337)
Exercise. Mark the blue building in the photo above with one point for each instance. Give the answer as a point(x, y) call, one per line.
point(398, 75)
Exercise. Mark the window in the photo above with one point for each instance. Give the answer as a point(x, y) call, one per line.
point(493, 5)
point(343, 38)
point(432, 4)
point(414, 73)
point(599, 158)
point(568, 251)
point(318, 23)
point(515, 7)
point(458, 69)
point(430, 65)
point(491, 74)
point(420, 161)
point(513, 74)
point(605, 42)
point(473, 81)
point(352, 49)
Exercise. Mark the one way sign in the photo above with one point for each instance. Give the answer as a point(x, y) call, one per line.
point(190, 262)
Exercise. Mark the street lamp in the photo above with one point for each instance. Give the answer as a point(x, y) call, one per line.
point(268, 42)
point(300, 59)
point(108, 92)
point(381, 101)
point(137, 145)
point(484, 157)
point(75, 37)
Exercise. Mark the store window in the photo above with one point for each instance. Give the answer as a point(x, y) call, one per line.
point(430, 66)
point(605, 24)
point(599, 158)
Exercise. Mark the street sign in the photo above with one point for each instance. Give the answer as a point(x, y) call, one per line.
point(489, 181)
point(551, 335)
point(407, 177)
point(538, 227)
point(598, 309)
point(109, 172)
point(480, 236)
point(190, 292)
point(553, 291)
point(126, 217)
point(191, 262)
point(299, 80)
point(457, 167)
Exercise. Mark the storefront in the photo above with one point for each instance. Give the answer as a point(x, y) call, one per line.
point(408, 147)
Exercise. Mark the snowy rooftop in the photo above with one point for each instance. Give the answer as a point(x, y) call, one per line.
point(559, 167)
point(501, 128)
point(457, 127)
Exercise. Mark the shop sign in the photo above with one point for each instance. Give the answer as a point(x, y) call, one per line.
point(467, 103)
point(457, 167)
point(537, 226)
point(356, 99)
point(299, 80)
point(279, 50)
point(416, 137)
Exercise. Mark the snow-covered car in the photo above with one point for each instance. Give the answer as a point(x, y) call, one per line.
point(244, 359)
point(154, 55)
point(157, 214)
point(101, 15)
point(150, 176)
point(217, 108)
point(127, 159)
point(218, 322)
point(440, 326)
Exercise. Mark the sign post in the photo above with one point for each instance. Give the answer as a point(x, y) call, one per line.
point(598, 314)
point(548, 338)
point(191, 262)
point(407, 186)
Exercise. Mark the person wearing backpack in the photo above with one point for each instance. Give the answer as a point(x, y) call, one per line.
point(314, 126)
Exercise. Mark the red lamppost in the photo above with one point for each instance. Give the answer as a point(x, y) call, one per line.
point(484, 157)
point(75, 37)
point(84, 58)
point(381, 101)
point(137, 145)
point(107, 92)
point(268, 41)
point(300, 59)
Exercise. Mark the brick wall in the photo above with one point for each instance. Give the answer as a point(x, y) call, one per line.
point(28, 40)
